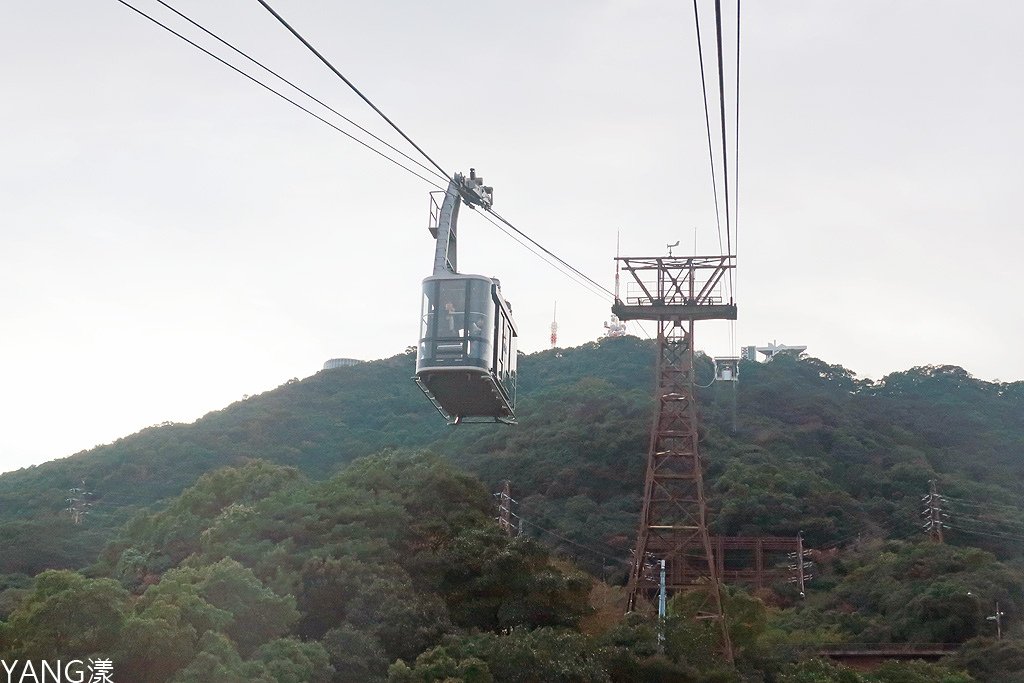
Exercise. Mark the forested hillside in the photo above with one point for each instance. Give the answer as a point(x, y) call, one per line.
point(301, 527)
point(317, 425)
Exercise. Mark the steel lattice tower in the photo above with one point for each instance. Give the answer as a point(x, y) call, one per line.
point(933, 511)
point(675, 292)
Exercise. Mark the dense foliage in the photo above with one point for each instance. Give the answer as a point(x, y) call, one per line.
point(306, 534)
point(256, 570)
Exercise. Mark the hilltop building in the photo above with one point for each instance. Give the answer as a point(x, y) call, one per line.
point(341, 363)
point(770, 351)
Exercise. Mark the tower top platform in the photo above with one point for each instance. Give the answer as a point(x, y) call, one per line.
point(676, 288)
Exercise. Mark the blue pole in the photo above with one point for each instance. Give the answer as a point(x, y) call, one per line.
point(661, 608)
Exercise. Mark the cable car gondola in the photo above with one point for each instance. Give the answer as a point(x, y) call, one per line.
point(466, 357)
point(727, 368)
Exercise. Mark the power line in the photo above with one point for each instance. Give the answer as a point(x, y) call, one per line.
point(351, 85)
point(571, 542)
point(279, 94)
point(986, 505)
point(300, 89)
point(971, 509)
point(967, 530)
point(886, 527)
point(990, 522)
point(506, 513)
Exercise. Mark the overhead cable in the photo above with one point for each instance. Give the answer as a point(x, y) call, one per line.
point(984, 505)
point(725, 146)
point(888, 527)
point(571, 542)
point(352, 86)
point(707, 125)
point(735, 279)
point(998, 524)
point(552, 255)
point(279, 94)
point(300, 89)
point(721, 103)
point(584, 283)
point(736, 152)
point(968, 530)
point(418, 148)
point(566, 268)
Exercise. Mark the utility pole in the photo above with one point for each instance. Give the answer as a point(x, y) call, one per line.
point(505, 509)
point(801, 567)
point(933, 512)
point(998, 618)
point(676, 291)
point(78, 503)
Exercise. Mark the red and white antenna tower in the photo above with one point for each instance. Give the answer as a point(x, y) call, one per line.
point(554, 327)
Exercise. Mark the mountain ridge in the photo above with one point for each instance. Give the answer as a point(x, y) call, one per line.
point(584, 416)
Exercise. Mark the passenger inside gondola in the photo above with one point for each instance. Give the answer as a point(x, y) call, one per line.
point(449, 308)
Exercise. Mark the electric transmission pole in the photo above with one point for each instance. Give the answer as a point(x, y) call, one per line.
point(933, 513)
point(998, 618)
point(78, 503)
point(505, 508)
point(801, 567)
point(676, 291)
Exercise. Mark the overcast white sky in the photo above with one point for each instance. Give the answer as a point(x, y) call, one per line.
point(173, 237)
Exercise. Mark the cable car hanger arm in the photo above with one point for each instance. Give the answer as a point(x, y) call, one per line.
point(470, 190)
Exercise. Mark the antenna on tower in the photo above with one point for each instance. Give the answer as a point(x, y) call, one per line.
point(616, 328)
point(554, 327)
point(616, 265)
